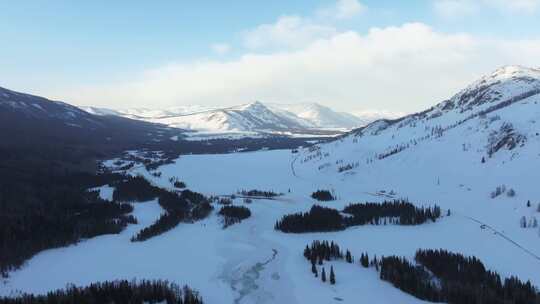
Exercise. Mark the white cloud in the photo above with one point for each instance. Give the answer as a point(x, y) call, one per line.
point(286, 32)
point(292, 32)
point(404, 68)
point(221, 48)
point(342, 9)
point(463, 8)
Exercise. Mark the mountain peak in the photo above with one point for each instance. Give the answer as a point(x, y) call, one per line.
point(510, 72)
point(253, 106)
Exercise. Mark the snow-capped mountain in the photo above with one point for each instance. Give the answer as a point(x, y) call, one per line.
point(369, 116)
point(252, 118)
point(320, 116)
point(493, 122)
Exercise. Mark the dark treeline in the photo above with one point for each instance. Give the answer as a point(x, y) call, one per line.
point(323, 219)
point(200, 205)
point(398, 212)
point(135, 188)
point(43, 205)
point(164, 223)
point(319, 252)
point(234, 214)
point(318, 219)
point(442, 276)
point(323, 251)
point(186, 206)
point(262, 193)
point(225, 201)
point(177, 183)
point(323, 195)
point(114, 292)
point(412, 279)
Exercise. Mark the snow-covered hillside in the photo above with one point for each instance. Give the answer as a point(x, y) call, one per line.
point(253, 118)
point(494, 119)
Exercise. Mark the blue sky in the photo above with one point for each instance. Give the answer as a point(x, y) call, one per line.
point(63, 48)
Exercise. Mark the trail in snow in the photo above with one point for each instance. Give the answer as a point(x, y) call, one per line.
point(495, 231)
point(292, 166)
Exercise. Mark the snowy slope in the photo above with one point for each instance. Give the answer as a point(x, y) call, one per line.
point(494, 117)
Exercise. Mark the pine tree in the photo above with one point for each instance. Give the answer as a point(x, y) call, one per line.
point(314, 269)
point(528, 203)
point(323, 275)
point(332, 276)
point(483, 159)
point(348, 257)
point(523, 222)
point(364, 260)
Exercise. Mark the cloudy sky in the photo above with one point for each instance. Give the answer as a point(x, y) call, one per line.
point(351, 55)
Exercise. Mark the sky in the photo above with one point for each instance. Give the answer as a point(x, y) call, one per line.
point(351, 55)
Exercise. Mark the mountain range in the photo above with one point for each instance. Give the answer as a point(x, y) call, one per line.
point(251, 119)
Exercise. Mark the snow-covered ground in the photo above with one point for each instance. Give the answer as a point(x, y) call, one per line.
point(105, 192)
point(226, 265)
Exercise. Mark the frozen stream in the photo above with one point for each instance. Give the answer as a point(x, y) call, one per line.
point(247, 282)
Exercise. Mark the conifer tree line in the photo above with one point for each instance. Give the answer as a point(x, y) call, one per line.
point(223, 201)
point(186, 206)
point(435, 275)
point(318, 219)
point(121, 291)
point(53, 209)
point(400, 212)
point(262, 193)
point(323, 219)
point(135, 189)
point(233, 214)
point(461, 279)
point(177, 183)
point(323, 195)
point(325, 251)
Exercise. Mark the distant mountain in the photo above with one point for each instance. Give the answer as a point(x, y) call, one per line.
point(252, 118)
point(369, 116)
point(320, 116)
point(28, 120)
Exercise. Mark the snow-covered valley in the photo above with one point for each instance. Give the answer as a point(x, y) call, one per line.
point(455, 155)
